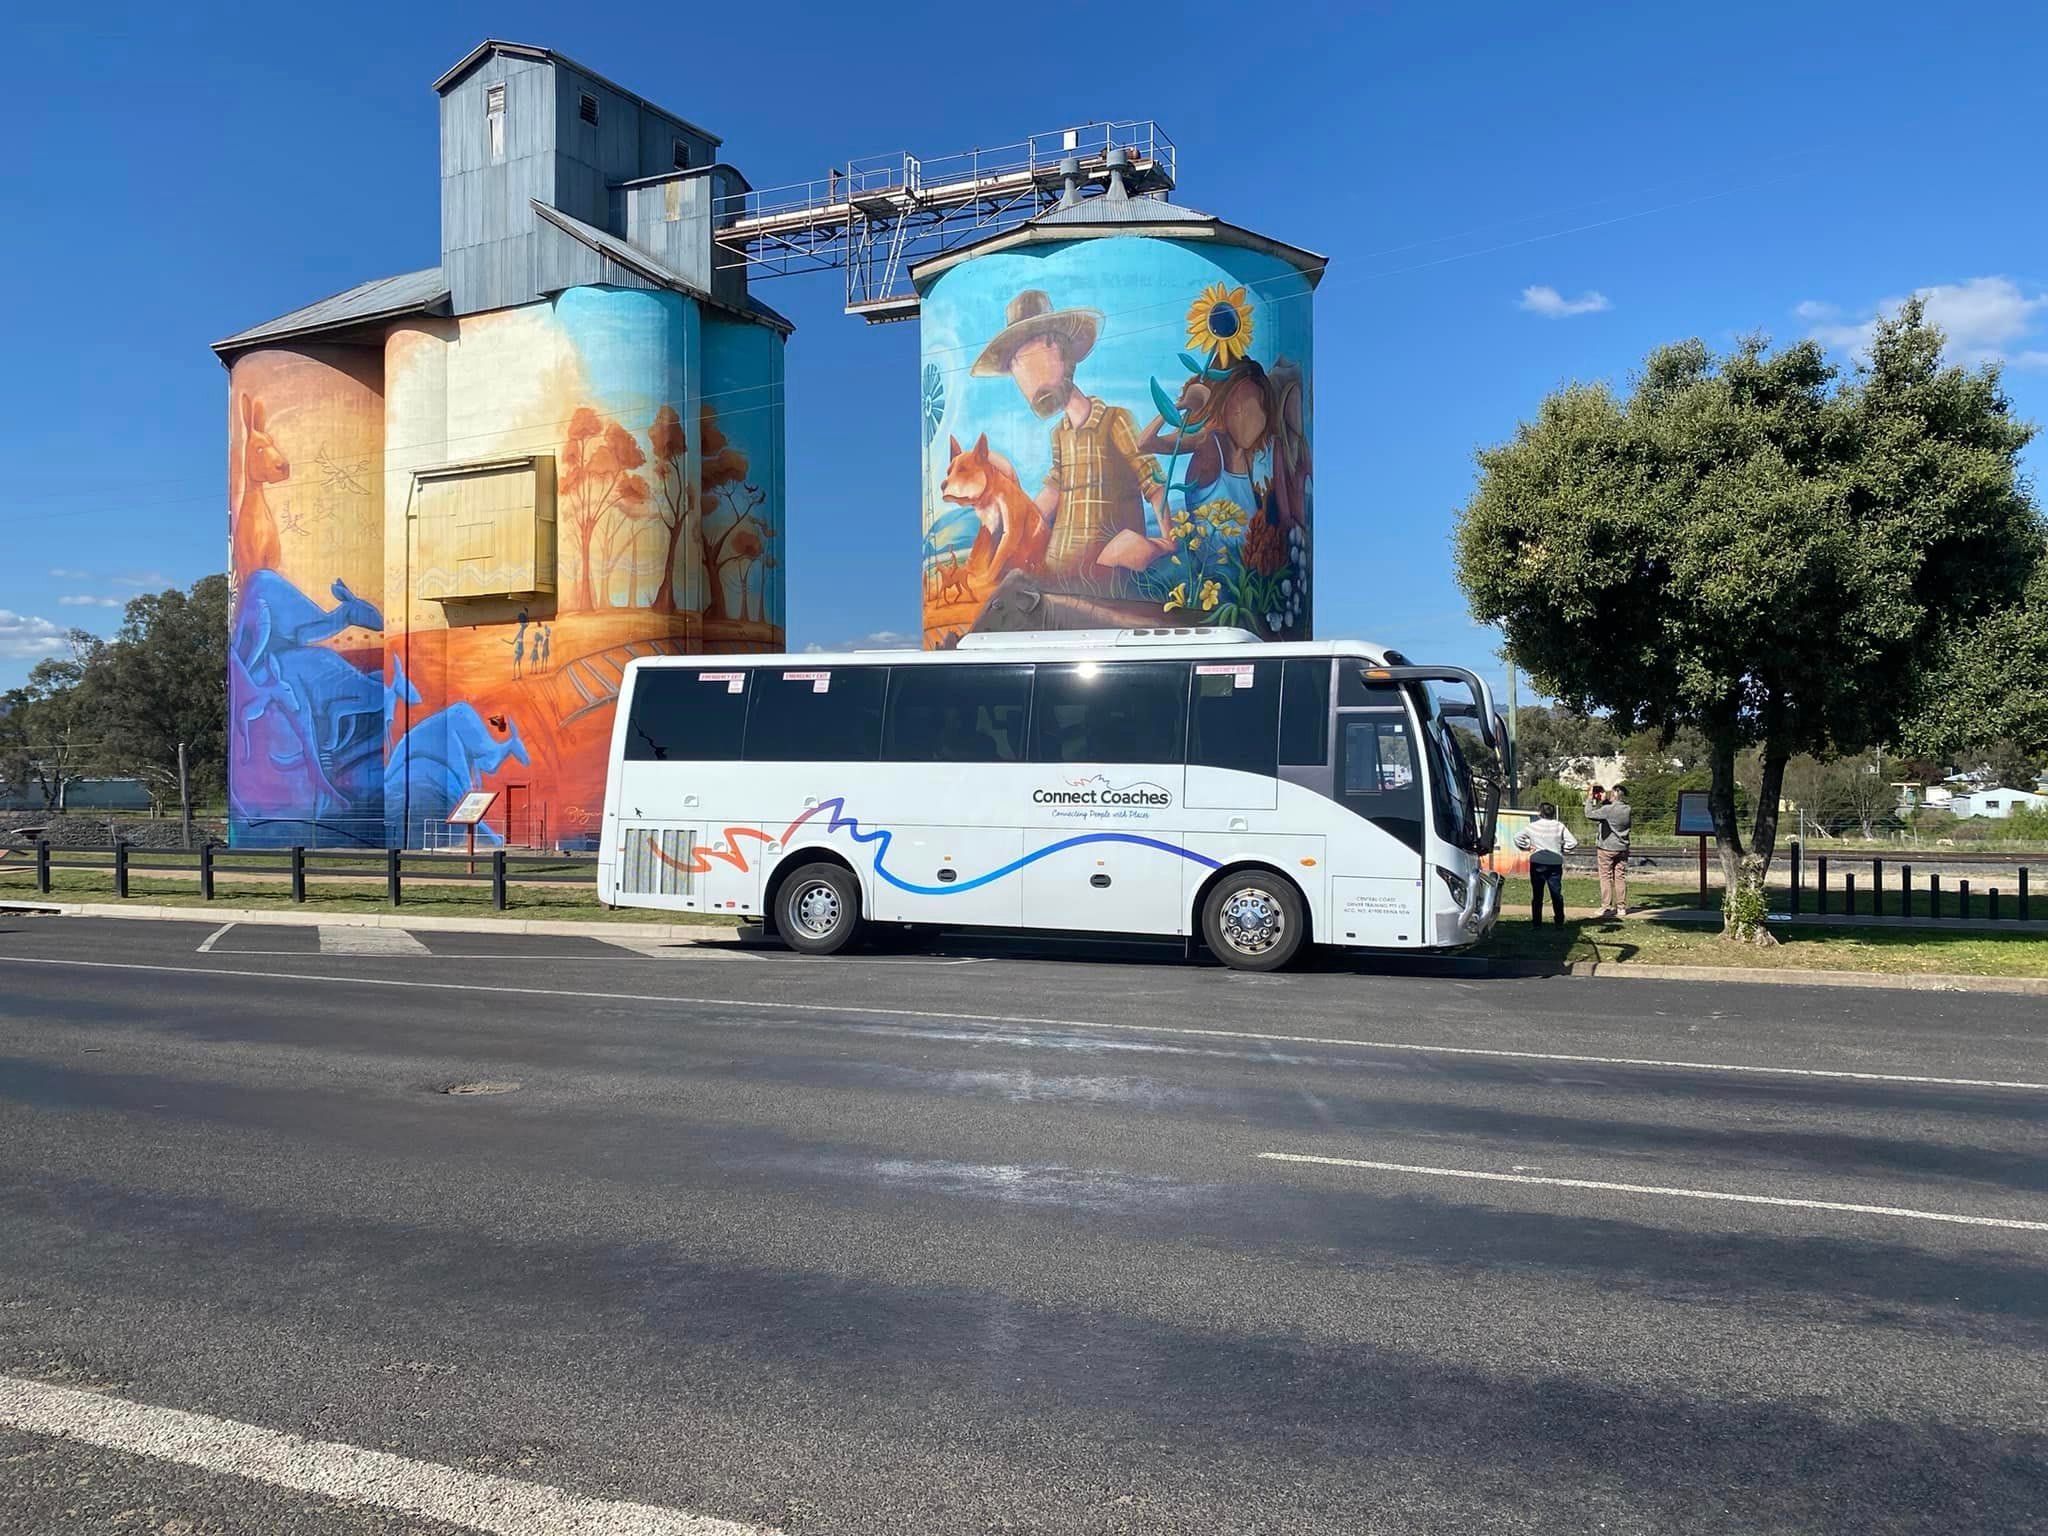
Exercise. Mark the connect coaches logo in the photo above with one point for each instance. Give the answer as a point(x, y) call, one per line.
point(1097, 790)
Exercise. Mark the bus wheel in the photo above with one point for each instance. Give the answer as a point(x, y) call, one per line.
point(1254, 921)
point(817, 911)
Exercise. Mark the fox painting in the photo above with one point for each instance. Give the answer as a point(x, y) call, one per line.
point(1014, 531)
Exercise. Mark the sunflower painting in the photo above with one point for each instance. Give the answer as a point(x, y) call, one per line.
point(1220, 323)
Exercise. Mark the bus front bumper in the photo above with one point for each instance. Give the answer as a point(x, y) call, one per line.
point(1475, 918)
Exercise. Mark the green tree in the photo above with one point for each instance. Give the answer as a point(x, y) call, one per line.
point(46, 738)
point(1990, 683)
point(1753, 547)
point(1552, 741)
point(160, 681)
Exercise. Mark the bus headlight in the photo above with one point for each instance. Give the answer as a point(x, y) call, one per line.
point(1456, 884)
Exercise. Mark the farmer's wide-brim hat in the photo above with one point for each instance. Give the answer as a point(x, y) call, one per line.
point(1031, 315)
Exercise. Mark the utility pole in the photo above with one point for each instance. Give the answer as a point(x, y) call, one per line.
point(184, 796)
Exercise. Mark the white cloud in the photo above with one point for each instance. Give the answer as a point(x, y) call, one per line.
point(83, 601)
point(67, 575)
point(1984, 318)
point(1546, 301)
point(23, 637)
point(150, 579)
point(879, 640)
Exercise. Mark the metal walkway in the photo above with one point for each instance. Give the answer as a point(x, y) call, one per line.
point(884, 212)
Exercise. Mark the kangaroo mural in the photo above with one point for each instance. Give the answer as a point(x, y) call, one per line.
point(254, 461)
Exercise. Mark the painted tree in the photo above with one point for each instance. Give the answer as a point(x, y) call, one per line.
point(675, 500)
point(722, 481)
point(597, 480)
point(1754, 547)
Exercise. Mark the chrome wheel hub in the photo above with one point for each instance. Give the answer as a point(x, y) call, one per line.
point(816, 909)
point(1252, 920)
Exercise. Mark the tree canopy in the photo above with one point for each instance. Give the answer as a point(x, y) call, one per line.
point(1987, 695)
point(1752, 545)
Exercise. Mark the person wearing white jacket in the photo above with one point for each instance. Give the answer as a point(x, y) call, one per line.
point(1546, 840)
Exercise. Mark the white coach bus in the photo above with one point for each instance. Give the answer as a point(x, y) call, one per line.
point(1168, 782)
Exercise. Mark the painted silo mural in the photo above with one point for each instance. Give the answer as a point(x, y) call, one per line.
point(305, 647)
point(1117, 433)
point(626, 500)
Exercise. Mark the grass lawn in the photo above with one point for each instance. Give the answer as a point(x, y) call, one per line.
point(577, 902)
point(1895, 951)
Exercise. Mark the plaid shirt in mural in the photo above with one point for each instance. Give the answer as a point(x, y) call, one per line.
point(1102, 479)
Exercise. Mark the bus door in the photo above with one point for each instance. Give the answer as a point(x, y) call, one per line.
point(1379, 780)
point(1102, 837)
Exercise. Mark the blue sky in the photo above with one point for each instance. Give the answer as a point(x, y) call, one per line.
point(1511, 197)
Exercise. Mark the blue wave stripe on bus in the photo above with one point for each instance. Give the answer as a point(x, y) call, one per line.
point(882, 836)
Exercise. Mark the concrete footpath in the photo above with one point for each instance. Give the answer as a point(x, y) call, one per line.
point(707, 933)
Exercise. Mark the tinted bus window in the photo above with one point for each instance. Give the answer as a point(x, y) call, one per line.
point(1305, 711)
point(1234, 715)
point(800, 715)
point(946, 714)
point(1110, 712)
point(1379, 757)
point(682, 715)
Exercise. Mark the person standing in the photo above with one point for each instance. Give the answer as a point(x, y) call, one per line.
point(1608, 810)
point(1546, 840)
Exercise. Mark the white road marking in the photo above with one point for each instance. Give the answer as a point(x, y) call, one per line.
point(213, 938)
point(343, 939)
point(1658, 1189)
point(476, 1501)
point(1185, 1030)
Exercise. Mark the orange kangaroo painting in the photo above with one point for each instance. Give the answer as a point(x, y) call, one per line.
point(1014, 531)
point(256, 461)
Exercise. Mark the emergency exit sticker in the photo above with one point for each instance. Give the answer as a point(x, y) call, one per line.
point(821, 682)
point(734, 681)
point(1241, 673)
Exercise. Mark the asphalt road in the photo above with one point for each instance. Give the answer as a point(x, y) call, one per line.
point(995, 1240)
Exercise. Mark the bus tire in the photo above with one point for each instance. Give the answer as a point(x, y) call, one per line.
point(1254, 920)
point(817, 909)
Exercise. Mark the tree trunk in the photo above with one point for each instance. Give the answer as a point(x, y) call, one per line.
point(714, 585)
point(1764, 840)
point(1721, 801)
point(665, 594)
point(579, 595)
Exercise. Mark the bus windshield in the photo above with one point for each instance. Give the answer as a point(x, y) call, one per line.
point(1454, 736)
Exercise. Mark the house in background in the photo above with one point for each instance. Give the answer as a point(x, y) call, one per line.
point(1997, 804)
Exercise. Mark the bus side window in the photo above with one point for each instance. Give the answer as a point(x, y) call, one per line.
point(682, 715)
point(1305, 711)
point(954, 714)
point(1110, 712)
point(1233, 716)
point(822, 716)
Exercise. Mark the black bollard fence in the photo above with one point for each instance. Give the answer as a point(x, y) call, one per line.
point(1877, 887)
point(121, 867)
point(298, 873)
point(498, 878)
point(1848, 895)
point(1934, 895)
point(206, 870)
point(1963, 897)
point(1994, 903)
point(2024, 914)
point(1820, 885)
point(1795, 880)
point(391, 888)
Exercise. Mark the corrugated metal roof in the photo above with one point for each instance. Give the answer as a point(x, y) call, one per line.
point(421, 292)
point(633, 259)
point(1116, 206)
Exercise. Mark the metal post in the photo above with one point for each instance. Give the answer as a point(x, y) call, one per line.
point(1963, 896)
point(1934, 895)
point(298, 873)
point(1703, 873)
point(1848, 895)
point(1877, 887)
point(1795, 880)
point(1994, 903)
point(2023, 894)
point(1905, 890)
point(1820, 885)
point(498, 878)
point(43, 867)
point(120, 867)
point(184, 799)
point(206, 870)
point(391, 862)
